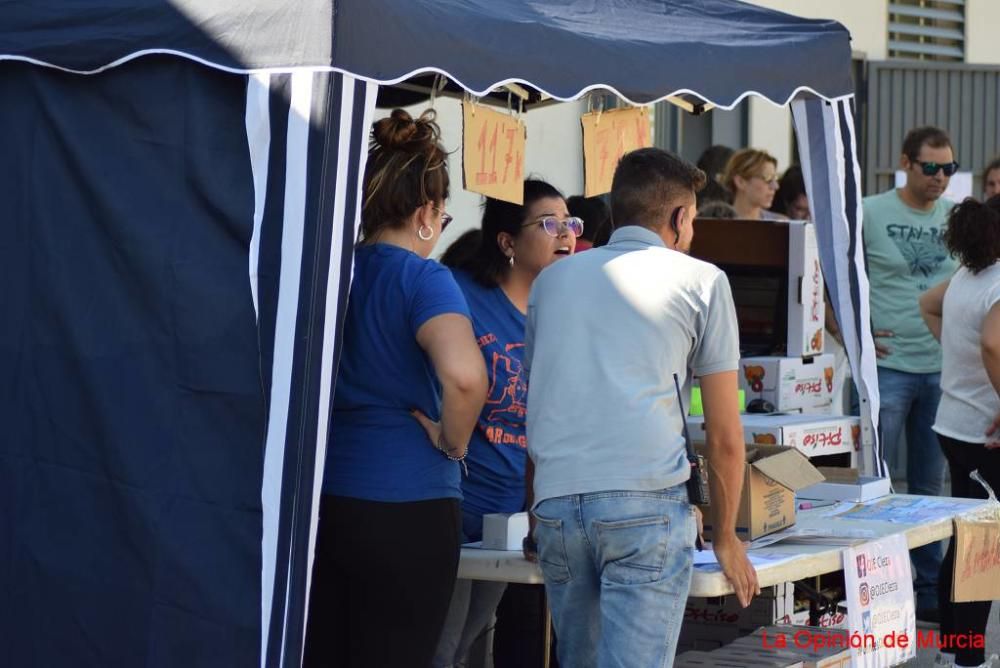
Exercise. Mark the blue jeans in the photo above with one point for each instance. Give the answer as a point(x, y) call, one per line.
point(909, 401)
point(617, 569)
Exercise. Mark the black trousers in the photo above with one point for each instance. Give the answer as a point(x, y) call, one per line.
point(519, 636)
point(382, 582)
point(962, 618)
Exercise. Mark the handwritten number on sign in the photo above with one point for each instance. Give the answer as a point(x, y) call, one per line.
point(488, 143)
point(493, 153)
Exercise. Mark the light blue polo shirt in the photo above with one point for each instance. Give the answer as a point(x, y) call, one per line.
point(606, 332)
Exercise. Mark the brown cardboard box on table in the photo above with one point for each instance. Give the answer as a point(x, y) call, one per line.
point(772, 475)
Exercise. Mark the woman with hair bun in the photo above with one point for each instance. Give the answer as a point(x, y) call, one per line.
point(964, 314)
point(516, 242)
point(410, 386)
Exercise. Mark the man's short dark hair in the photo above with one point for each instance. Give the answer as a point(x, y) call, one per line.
point(927, 135)
point(647, 184)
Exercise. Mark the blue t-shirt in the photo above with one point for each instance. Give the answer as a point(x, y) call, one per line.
point(377, 451)
point(498, 449)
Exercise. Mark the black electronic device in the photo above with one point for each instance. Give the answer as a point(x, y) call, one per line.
point(760, 406)
point(697, 484)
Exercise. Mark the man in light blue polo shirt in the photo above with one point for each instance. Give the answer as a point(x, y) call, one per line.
point(611, 328)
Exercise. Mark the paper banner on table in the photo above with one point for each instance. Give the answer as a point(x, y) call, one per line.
point(493, 153)
point(880, 609)
point(607, 136)
point(977, 560)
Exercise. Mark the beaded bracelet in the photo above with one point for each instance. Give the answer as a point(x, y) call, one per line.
point(440, 445)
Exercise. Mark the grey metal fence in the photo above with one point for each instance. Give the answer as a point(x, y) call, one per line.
point(963, 99)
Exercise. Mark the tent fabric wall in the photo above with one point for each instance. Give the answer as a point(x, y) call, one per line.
point(132, 441)
point(307, 134)
point(176, 260)
point(828, 154)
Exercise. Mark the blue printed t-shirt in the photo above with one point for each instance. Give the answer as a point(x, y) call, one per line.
point(377, 450)
point(498, 449)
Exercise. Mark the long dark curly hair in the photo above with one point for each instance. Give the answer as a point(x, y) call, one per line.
point(973, 233)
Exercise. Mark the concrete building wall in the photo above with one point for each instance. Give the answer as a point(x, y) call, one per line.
point(982, 20)
point(867, 20)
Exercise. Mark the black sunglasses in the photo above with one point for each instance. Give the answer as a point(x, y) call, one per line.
point(931, 168)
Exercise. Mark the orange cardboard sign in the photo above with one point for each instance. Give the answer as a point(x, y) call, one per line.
point(607, 136)
point(493, 153)
point(977, 560)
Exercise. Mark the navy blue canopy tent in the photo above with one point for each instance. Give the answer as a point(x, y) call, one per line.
point(180, 186)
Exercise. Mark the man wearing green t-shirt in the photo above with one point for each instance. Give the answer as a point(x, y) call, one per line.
point(906, 256)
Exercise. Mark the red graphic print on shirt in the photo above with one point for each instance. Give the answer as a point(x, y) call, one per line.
point(506, 403)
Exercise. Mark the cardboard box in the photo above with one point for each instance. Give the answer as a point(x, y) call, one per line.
point(835, 652)
point(720, 658)
point(710, 623)
point(790, 383)
point(806, 298)
point(706, 637)
point(835, 619)
point(773, 605)
point(772, 475)
point(845, 484)
point(503, 531)
point(812, 435)
point(749, 656)
point(774, 272)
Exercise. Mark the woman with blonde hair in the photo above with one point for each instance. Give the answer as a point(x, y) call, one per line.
point(410, 386)
point(751, 176)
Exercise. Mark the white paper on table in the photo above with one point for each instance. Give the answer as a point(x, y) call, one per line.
point(911, 510)
point(834, 533)
point(829, 510)
point(705, 560)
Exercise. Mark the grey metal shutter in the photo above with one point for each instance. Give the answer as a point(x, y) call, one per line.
point(927, 29)
point(962, 99)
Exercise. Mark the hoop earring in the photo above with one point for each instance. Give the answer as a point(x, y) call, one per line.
point(420, 233)
point(510, 260)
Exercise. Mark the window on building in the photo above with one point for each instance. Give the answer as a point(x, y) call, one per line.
point(927, 29)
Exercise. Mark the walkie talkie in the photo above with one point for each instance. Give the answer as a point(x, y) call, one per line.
point(697, 484)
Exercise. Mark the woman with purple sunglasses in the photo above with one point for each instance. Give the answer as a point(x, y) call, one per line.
point(518, 241)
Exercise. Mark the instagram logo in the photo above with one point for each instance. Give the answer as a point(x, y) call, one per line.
point(863, 594)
